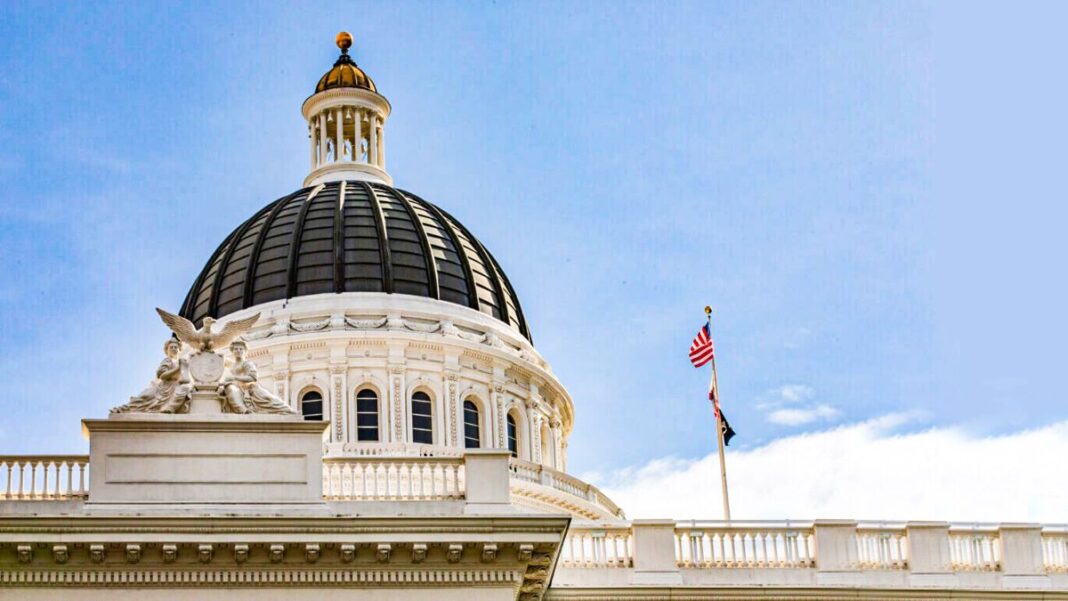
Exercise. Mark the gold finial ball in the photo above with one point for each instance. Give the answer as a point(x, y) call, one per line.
point(708, 310)
point(344, 40)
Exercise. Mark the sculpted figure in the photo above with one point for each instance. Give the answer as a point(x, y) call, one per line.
point(169, 392)
point(243, 392)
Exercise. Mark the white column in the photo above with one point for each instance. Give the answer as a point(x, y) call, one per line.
point(339, 129)
point(322, 139)
point(311, 137)
point(382, 146)
point(357, 138)
point(373, 150)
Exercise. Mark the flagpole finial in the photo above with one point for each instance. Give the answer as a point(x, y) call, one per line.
point(708, 310)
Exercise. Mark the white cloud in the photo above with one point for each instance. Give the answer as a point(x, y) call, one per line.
point(780, 404)
point(799, 417)
point(863, 471)
point(794, 393)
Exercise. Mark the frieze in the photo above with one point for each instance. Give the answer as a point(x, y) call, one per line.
point(365, 324)
point(261, 577)
point(313, 326)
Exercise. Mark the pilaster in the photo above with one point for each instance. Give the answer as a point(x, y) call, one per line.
point(837, 557)
point(930, 564)
point(1022, 563)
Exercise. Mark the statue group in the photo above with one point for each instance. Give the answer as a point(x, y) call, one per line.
point(178, 379)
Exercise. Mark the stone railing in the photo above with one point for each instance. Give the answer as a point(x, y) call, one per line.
point(393, 478)
point(44, 477)
point(974, 548)
point(882, 547)
point(535, 473)
point(743, 545)
point(1055, 549)
point(387, 449)
point(839, 553)
point(603, 547)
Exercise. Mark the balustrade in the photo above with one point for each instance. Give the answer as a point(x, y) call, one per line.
point(535, 473)
point(717, 544)
point(607, 547)
point(974, 549)
point(44, 477)
point(393, 479)
point(882, 548)
point(1055, 550)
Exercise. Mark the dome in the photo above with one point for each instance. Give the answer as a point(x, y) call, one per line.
point(352, 236)
point(344, 74)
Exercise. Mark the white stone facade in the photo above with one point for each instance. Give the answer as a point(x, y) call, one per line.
point(396, 345)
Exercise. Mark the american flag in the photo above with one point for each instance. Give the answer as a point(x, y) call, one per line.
point(701, 350)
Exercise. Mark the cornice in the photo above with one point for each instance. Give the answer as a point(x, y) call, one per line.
point(223, 524)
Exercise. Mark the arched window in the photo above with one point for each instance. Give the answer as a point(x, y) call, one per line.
point(513, 436)
point(366, 416)
point(422, 419)
point(311, 405)
point(472, 433)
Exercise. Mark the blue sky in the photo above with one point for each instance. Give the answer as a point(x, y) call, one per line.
point(871, 195)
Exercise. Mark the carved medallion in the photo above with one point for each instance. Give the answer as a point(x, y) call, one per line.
point(206, 367)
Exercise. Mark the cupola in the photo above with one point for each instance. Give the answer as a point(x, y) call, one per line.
point(346, 119)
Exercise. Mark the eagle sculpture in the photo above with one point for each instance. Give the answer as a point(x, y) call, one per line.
point(204, 339)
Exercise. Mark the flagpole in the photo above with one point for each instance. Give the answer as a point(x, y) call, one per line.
point(719, 429)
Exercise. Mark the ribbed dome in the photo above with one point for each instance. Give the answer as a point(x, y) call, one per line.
point(345, 74)
point(352, 236)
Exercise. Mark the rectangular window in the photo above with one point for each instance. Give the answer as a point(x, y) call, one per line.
point(422, 423)
point(366, 416)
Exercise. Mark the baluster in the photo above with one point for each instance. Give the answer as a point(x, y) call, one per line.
point(460, 472)
point(722, 550)
point(69, 467)
point(425, 474)
point(33, 479)
point(439, 485)
point(406, 469)
point(7, 488)
point(679, 556)
point(423, 481)
point(376, 480)
point(439, 481)
point(419, 474)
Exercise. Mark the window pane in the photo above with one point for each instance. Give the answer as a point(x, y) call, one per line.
point(472, 436)
point(422, 424)
point(513, 437)
point(311, 406)
point(366, 416)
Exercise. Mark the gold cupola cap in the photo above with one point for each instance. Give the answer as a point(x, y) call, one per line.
point(344, 73)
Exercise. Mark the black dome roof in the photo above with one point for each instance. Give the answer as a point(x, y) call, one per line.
point(352, 236)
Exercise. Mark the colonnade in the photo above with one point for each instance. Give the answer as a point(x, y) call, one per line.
point(346, 133)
